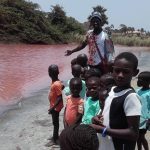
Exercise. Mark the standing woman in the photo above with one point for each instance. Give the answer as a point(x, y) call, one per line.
point(101, 47)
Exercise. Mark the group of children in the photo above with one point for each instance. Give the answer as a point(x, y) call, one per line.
point(102, 103)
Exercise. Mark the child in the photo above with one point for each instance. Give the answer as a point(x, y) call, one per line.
point(76, 72)
point(144, 93)
point(106, 83)
point(56, 102)
point(92, 72)
point(73, 61)
point(122, 107)
point(82, 60)
point(74, 107)
point(81, 137)
point(91, 105)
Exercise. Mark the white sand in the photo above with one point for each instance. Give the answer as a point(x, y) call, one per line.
point(29, 126)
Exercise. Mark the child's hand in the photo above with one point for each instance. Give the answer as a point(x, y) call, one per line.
point(50, 111)
point(98, 120)
point(68, 52)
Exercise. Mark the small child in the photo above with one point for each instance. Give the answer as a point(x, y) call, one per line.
point(144, 93)
point(73, 61)
point(122, 107)
point(106, 83)
point(76, 72)
point(81, 137)
point(74, 106)
point(82, 60)
point(92, 72)
point(56, 102)
point(91, 105)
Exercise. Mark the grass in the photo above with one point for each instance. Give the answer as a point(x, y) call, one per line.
point(131, 40)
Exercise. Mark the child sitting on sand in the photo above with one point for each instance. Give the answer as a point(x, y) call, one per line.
point(56, 102)
point(74, 105)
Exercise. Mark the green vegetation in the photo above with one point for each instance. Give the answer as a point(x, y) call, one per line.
point(131, 40)
point(129, 36)
point(22, 21)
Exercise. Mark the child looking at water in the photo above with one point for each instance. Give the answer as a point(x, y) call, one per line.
point(74, 106)
point(91, 105)
point(122, 107)
point(144, 93)
point(56, 102)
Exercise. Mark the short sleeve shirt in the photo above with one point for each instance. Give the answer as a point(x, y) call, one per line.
point(55, 91)
point(91, 109)
point(132, 107)
point(74, 106)
point(145, 101)
point(82, 92)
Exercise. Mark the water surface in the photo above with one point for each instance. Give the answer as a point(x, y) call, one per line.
point(23, 68)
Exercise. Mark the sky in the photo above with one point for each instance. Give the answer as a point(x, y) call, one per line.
point(132, 13)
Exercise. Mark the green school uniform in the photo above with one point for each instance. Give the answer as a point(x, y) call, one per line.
point(91, 109)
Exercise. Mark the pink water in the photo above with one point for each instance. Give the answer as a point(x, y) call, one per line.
point(23, 68)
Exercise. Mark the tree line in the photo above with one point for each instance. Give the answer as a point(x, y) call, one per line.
point(22, 21)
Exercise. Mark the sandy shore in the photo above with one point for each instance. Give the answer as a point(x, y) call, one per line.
point(28, 126)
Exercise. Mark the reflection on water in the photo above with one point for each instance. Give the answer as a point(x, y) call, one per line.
point(23, 68)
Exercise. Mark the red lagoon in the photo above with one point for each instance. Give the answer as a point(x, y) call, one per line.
point(23, 68)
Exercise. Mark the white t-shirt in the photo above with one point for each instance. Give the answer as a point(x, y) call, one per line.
point(93, 55)
point(132, 107)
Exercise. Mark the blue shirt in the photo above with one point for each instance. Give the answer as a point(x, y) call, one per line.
point(145, 101)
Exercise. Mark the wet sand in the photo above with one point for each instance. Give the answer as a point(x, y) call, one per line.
point(28, 126)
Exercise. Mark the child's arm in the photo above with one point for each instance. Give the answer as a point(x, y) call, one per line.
point(64, 121)
point(80, 114)
point(58, 100)
point(79, 118)
point(98, 120)
point(131, 133)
